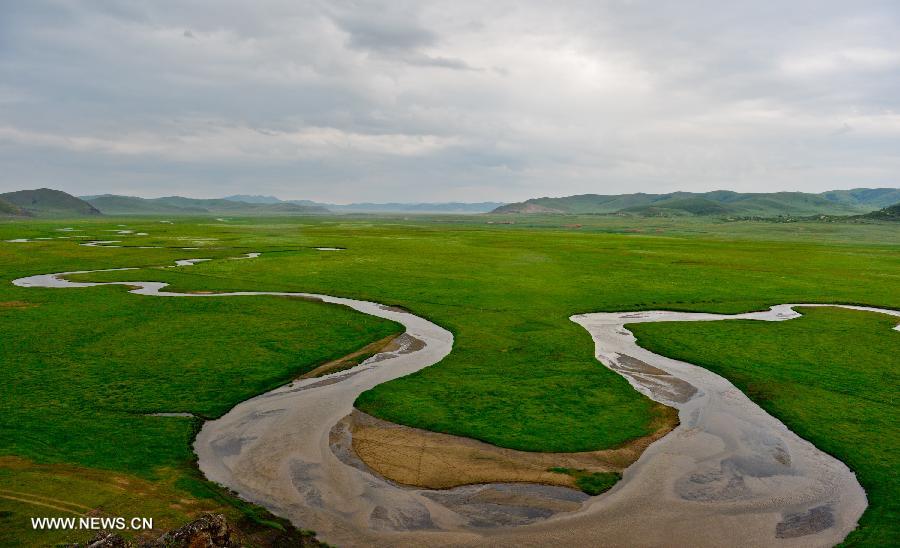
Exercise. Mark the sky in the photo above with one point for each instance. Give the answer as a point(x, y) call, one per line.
point(348, 101)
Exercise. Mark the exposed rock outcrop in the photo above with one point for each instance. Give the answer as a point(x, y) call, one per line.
point(207, 531)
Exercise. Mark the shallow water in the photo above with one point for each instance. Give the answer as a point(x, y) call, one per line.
point(190, 262)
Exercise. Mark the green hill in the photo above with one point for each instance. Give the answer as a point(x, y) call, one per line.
point(680, 206)
point(131, 205)
point(715, 203)
point(873, 198)
point(583, 203)
point(790, 203)
point(890, 213)
point(176, 205)
point(46, 202)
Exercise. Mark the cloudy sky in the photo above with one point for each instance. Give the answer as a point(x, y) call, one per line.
point(455, 100)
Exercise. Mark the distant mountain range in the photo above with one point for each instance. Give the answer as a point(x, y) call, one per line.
point(244, 204)
point(721, 203)
point(858, 203)
point(368, 207)
point(442, 207)
point(111, 204)
point(250, 199)
point(45, 202)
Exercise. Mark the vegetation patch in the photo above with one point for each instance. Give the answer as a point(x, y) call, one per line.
point(16, 304)
point(30, 489)
point(592, 483)
point(83, 368)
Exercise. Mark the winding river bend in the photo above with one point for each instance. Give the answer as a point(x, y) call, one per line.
point(729, 474)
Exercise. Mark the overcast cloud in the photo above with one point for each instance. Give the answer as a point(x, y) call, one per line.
point(436, 101)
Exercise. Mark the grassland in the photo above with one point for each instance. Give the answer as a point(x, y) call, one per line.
point(831, 376)
point(521, 374)
point(83, 369)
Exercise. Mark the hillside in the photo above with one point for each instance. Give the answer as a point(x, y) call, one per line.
point(11, 210)
point(46, 202)
point(874, 197)
point(680, 206)
point(217, 205)
point(130, 205)
point(176, 205)
point(715, 203)
point(890, 213)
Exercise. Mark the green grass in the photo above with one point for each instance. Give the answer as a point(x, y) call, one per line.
point(82, 368)
point(592, 483)
point(75, 387)
point(831, 376)
point(521, 375)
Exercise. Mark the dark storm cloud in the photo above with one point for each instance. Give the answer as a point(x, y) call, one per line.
point(382, 33)
point(443, 62)
point(358, 100)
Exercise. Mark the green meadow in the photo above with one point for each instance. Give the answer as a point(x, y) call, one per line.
point(82, 368)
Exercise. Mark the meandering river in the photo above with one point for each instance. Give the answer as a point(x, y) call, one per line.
point(729, 474)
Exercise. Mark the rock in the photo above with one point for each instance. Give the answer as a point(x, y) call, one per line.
point(103, 539)
point(208, 531)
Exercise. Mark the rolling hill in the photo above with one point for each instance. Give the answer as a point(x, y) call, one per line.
point(715, 203)
point(46, 202)
point(865, 197)
point(176, 205)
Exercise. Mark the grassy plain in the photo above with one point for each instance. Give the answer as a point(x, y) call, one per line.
point(81, 369)
point(521, 374)
point(831, 376)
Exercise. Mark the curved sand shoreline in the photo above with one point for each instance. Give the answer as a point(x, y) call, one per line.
point(729, 474)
